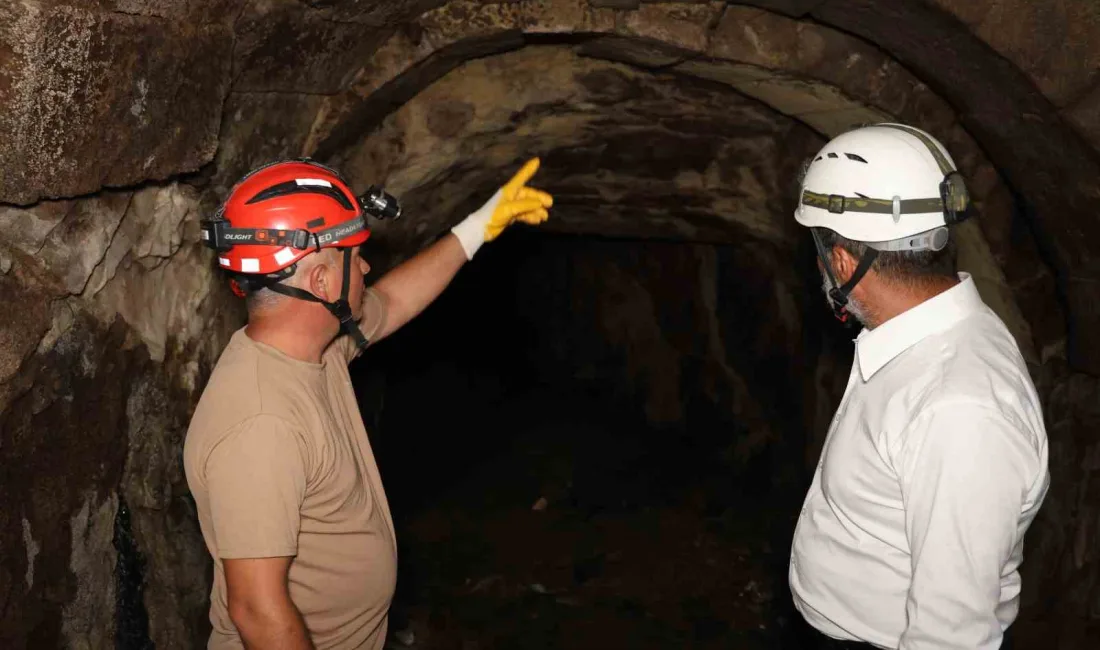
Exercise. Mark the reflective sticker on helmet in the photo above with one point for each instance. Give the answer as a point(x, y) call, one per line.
point(250, 265)
point(338, 232)
point(224, 262)
point(313, 181)
point(283, 256)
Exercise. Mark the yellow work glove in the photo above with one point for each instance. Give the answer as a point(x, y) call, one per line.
point(511, 203)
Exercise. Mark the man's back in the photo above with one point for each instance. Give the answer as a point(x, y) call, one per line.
point(279, 464)
point(934, 467)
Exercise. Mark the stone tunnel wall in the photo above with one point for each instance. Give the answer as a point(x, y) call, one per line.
point(113, 320)
point(124, 121)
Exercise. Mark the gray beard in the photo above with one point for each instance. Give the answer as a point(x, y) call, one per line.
point(854, 308)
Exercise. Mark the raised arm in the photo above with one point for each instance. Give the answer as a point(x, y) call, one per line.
point(410, 287)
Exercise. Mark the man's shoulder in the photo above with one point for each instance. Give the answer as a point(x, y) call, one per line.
point(982, 354)
point(240, 390)
point(234, 386)
point(975, 364)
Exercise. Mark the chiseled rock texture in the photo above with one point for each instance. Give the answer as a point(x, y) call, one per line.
point(113, 317)
point(123, 123)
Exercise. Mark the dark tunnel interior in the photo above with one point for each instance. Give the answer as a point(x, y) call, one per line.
point(556, 480)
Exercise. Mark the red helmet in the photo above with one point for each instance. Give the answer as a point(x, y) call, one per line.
point(278, 214)
point(282, 212)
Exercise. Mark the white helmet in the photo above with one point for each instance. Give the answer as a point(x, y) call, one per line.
point(891, 186)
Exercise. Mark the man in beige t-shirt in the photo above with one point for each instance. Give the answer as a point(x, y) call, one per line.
point(289, 497)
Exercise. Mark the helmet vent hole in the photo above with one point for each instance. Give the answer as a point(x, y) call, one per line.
point(852, 156)
point(833, 155)
point(316, 223)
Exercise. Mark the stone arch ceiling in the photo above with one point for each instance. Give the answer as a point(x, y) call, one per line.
point(627, 152)
point(234, 81)
point(123, 121)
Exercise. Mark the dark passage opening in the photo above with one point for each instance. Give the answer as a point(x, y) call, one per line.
point(603, 443)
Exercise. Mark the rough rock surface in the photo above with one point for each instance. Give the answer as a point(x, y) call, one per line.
point(286, 47)
point(786, 64)
point(258, 128)
point(372, 12)
point(118, 325)
point(91, 98)
point(1085, 115)
point(1053, 43)
point(625, 153)
point(115, 316)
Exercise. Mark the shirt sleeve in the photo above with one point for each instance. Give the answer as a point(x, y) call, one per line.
point(964, 471)
point(256, 481)
point(370, 324)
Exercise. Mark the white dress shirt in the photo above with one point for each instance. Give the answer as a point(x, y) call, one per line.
point(933, 468)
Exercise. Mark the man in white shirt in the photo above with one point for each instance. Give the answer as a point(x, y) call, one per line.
point(911, 535)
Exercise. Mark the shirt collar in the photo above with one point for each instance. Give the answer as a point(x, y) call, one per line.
point(875, 348)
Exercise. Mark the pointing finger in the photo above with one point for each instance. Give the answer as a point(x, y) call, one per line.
point(522, 176)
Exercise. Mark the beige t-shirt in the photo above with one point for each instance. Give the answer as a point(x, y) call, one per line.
point(279, 463)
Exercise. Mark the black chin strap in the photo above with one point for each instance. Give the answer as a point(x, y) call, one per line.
point(341, 308)
point(839, 295)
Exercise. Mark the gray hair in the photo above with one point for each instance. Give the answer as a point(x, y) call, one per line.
point(903, 267)
point(263, 299)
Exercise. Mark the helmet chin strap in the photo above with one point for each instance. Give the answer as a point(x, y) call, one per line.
point(838, 295)
point(341, 308)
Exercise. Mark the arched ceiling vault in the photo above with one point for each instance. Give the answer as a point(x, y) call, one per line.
point(237, 81)
point(627, 152)
point(806, 69)
point(815, 75)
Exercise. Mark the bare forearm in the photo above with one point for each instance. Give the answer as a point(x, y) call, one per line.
point(414, 284)
point(272, 626)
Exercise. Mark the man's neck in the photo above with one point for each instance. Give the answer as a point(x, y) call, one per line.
point(294, 339)
point(892, 301)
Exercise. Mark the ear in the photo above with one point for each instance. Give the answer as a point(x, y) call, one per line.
point(844, 264)
point(318, 281)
